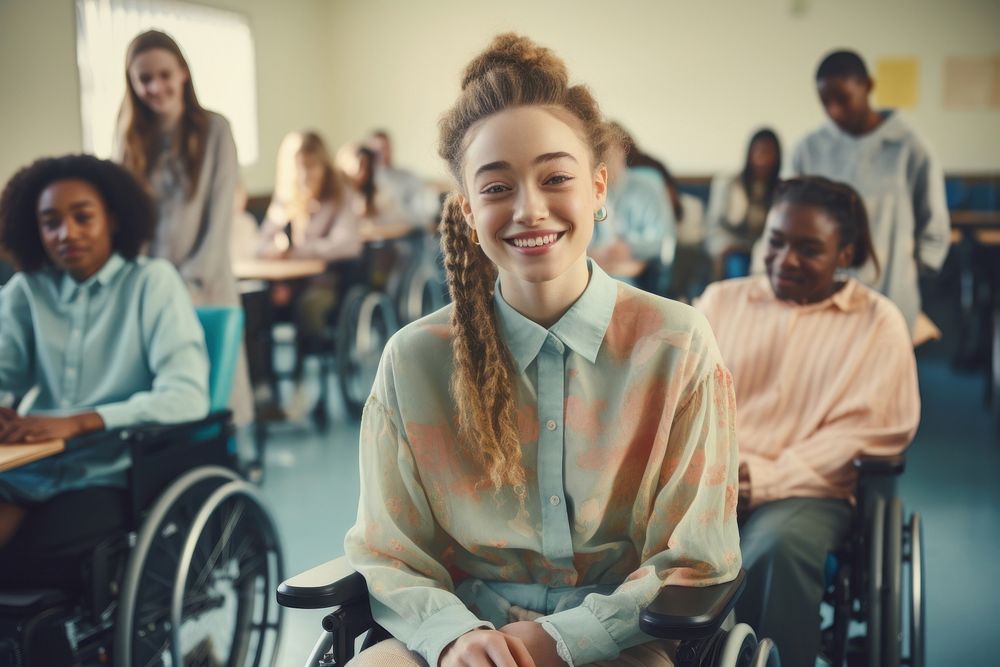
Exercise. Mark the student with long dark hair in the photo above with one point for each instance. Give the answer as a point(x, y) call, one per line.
point(185, 156)
point(738, 204)
point(891, 167)
point(824, 372)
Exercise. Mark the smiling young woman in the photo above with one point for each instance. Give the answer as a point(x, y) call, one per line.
point(185, 156)
point(540, 457)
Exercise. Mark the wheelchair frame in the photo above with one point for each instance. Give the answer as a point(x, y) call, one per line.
point(118, 581)
point(866, 580)
point(693, 615)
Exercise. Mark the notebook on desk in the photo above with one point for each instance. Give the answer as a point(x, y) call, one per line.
point(13, 456)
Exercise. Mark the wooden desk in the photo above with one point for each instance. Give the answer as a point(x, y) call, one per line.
point(976, 219)
point(13, 456)
point(277, 269)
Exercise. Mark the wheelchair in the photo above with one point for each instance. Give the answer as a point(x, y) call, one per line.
point(877, 577)
point(395, 282)
point(186, 579)
point(694, 616)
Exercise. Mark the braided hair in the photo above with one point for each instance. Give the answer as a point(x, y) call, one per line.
point(513, 71)
point(844, 206)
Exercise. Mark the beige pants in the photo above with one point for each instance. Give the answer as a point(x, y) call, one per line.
point(393, 653)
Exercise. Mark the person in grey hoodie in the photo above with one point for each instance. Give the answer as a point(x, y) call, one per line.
point(878, 154)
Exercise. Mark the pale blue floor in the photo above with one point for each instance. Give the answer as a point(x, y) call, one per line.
point(952, 480)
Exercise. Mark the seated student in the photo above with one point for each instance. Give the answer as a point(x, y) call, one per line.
point(542, 456)
point(738, 203)
point(824, 372)
point(415, 197)
point(639, 216)
point(109, 338)
point(316, 214)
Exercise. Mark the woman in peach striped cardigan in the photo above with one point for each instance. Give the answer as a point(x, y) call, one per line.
point(824, 371)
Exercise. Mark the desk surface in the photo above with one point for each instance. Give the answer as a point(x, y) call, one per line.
point(277, 269)
point(981, 219)
point(12, 456)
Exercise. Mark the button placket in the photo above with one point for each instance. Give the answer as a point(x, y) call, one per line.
point(557, 543)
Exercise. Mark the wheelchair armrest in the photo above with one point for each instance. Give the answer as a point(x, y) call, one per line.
point(328, 585)
point(880, 465)
point(690, 612)
point(137, 435)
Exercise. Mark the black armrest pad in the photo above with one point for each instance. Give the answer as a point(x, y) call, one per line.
point(880, 465)
point(688, 612)
point(148, 432)
point(328, 585)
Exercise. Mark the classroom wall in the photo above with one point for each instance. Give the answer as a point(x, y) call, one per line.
point(690, 79)
point(39, 81)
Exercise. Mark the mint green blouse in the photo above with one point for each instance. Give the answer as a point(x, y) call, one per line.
point(626, 415)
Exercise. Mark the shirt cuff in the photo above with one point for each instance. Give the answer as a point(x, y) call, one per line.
point(442, 628)
point(116, 415)
point(582, 635)
point(762, 482)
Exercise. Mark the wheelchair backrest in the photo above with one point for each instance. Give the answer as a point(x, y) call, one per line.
point(223, 326)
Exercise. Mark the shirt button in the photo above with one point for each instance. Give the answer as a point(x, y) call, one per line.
point(551, 425)
point(70, 372)
point(64, 402)
point(554, 500)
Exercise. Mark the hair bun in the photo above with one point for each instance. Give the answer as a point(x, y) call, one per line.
point(513, 51)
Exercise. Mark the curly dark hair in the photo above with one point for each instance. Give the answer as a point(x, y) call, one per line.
point(125, 200)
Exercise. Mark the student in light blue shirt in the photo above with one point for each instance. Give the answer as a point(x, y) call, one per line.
point(110, 339)
point(640, 227)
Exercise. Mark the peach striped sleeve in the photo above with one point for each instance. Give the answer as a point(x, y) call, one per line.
point(816, 385)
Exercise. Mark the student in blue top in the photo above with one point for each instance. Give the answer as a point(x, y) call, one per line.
point(109, 339)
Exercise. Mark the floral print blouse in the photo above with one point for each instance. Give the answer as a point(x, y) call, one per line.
point(627, 418)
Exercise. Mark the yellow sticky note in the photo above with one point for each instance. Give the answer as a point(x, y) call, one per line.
point(896, 82)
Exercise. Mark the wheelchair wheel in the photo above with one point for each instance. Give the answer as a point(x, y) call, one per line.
point(421, 293)
point(230, 564)
point(766, 654)
point(876, 560)
point(147, 630)
point(367, 321)
point(892, 629)
point(739, 647)
point(915, 558)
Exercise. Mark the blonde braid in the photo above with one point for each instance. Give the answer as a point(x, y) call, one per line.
point(483, 379)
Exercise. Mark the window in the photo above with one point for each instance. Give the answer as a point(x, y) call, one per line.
point(216, 43)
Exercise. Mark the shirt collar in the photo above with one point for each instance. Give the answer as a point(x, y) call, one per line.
point(69, 288)
point(847, 298)
point(581, 328)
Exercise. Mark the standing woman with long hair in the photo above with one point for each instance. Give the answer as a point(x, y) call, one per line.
point(185, 156)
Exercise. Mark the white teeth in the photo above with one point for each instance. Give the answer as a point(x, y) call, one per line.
point(536, 241)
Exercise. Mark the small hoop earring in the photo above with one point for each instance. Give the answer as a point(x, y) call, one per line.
point(601, 214)
point(473, 236)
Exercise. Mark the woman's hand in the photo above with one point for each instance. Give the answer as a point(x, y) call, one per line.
point(539, 643)
point(29, 429)
point(486, 648)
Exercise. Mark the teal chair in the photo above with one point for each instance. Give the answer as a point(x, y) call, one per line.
point(223, 326)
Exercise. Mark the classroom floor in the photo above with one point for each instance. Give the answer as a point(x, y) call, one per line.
point(951, 479)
